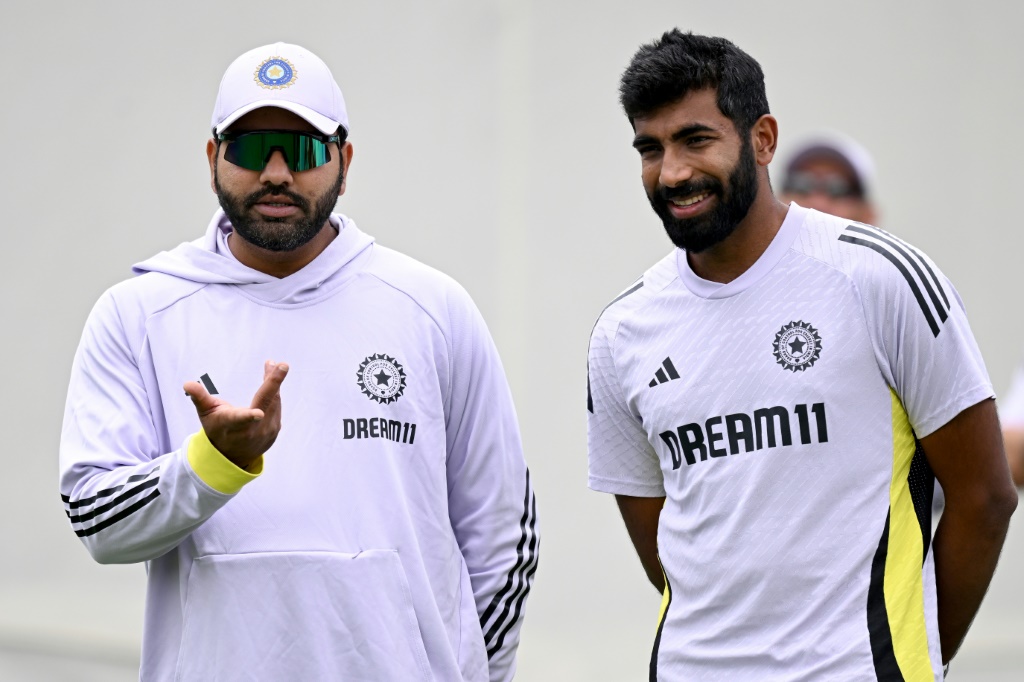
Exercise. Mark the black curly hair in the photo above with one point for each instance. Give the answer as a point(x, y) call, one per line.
point(664, 71)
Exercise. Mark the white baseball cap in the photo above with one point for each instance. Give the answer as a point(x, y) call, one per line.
point(285, 76)
point(840, 146)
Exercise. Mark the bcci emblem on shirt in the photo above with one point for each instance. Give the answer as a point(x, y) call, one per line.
point(797, 346)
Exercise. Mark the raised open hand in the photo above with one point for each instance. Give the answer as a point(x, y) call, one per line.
point(242, 434)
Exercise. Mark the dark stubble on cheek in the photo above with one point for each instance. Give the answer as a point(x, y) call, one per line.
point(702, 232)
point(277, 234)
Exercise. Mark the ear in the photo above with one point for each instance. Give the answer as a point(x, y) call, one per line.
point(346, 162)
point(764, 135)
point(211, 155)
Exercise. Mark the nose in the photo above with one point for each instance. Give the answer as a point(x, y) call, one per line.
point(276, 172)
point(675, 168)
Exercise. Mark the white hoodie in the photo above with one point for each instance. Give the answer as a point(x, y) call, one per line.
point(392, 534)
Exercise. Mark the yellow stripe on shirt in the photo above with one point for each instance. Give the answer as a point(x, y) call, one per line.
point(903, 585)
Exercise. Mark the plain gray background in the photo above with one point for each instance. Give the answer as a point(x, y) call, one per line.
point(489, 144)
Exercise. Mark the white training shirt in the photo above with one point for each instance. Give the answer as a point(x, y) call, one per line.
point(779, 415)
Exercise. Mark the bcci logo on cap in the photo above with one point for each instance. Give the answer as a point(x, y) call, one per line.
point(275, 73)
point(381, 378)
point(797, 346)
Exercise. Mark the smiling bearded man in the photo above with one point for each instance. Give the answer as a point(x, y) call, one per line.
point(771, 403)
point(703, 231)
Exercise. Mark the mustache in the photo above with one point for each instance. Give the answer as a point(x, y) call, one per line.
point(688, 188)
point(278, 191)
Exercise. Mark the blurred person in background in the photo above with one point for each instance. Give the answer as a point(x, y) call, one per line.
point(1011, 413)
point(771, 402)
point(371, 517)
point(831, 173)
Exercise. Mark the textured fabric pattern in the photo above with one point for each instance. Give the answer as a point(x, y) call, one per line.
point(775, 444)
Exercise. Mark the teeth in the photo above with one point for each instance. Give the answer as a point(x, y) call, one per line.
point(690, 201)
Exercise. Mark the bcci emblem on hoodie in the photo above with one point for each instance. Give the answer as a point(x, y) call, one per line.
point(381, 378)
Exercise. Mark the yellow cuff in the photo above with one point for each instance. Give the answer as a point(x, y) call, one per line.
point(216, 470)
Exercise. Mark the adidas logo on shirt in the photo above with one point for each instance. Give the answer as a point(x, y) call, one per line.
point(667, 372)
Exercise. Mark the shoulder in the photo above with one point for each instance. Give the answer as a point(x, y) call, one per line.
point(436, 293)
point(138, 298)
point(638, 295)
point(119, 316)
point(878, 262)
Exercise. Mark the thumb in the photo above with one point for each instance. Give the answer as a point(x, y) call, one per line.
point(201, 398)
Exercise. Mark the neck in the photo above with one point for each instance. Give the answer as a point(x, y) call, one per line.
point(734, 255)
point(280, 264)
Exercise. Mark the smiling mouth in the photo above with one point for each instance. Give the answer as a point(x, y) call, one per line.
point(689, 201)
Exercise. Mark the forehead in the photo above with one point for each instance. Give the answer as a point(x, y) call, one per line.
point(272, 118)
point(696, 108)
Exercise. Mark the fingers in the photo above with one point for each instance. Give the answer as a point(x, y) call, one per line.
point(229, 415)
point(273, 375)
point(201, 398)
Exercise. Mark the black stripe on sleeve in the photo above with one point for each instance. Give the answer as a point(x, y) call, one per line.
point(920, 257)
point(924, 261)
point(632, 290)
point(891, 257)
point(522, 564)
point(887, 239)
point(127, 495)
point(879, 633)
point(524, 589)
point(108, 492)
point(124, 513)
point(590, 396)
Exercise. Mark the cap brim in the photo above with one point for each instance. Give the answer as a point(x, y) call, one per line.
point(325, 125)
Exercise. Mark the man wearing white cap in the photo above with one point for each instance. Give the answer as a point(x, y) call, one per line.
point(370, 518)
point(831, 173)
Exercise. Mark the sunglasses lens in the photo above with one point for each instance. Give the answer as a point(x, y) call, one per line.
point(834, 186)
point(301, 152)
point(306, 152)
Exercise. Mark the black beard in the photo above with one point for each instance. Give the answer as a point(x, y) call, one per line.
point(277, 234)
point(704, 231)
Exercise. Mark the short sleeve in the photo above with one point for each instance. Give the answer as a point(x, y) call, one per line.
point(922, 338)
point(621, 458)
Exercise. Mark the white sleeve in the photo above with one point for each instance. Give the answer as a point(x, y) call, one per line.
point(621, 458)
point(129, 497)
point(922, 338)
point(491, 503)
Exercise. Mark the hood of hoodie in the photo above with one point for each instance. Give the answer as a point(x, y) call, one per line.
point(208, 261)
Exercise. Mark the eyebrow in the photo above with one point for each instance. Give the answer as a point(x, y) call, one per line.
point(680, 134)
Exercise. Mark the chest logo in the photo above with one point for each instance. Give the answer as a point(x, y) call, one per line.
point(666, 373)
point(381, 378)
point(797, 346)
